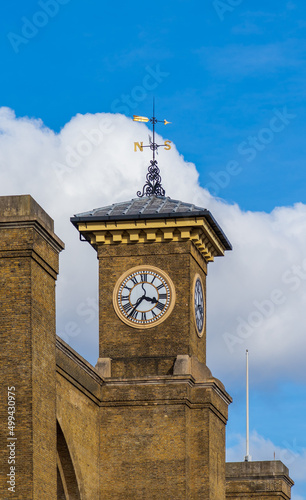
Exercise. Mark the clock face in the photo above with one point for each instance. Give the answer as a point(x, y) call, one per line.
point(143, 296)
point(199, 305)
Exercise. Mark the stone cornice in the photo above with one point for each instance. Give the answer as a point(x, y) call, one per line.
point(45, 233)
point(194, 229)
point(171, 390)
point(62, 346)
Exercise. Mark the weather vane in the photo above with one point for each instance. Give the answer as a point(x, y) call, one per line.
point(153, 185)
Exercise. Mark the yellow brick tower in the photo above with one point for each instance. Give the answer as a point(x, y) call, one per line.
point(28, 268)
point(163, 414)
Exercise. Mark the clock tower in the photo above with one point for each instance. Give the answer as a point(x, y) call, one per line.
point(153, 254)
point(163, 414)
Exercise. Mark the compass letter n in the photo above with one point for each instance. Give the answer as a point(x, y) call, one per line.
point(138, 145)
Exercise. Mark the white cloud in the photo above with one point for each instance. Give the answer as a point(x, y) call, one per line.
point(261, 291)
point(92, 163)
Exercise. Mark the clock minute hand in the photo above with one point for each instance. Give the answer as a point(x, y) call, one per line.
point(136, 305)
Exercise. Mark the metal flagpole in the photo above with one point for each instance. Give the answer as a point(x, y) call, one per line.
point(247, 457)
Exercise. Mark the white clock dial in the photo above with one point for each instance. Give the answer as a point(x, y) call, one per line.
point(144, 296)
point(199, 305)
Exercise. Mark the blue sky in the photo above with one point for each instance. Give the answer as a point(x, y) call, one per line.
point(230, 76)
point(224, 79)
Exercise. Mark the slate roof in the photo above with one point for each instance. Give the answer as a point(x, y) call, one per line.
point(150, 207)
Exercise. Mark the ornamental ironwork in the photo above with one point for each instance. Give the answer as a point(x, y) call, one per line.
point(153, 179)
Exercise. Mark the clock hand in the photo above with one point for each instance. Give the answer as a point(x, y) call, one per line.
point(149, 299)
point(136, 305)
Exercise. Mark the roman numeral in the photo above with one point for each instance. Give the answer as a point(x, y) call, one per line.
point(160, 286)
point(134, 314)
point(162, 296)
point(134, 280)
point(153, 280)
point(160, 306)
point(144, 277)
point(127, 307)
point(129, 289)
point(143, 316)
point(124, 298)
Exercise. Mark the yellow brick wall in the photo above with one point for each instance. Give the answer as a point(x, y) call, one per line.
point(78, 395)
point(162, 438)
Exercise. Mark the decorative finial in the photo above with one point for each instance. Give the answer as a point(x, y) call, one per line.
point(153, 185)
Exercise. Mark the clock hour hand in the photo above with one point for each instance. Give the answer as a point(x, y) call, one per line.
point(149, 299)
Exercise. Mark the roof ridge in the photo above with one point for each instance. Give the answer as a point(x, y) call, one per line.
point(162, 205)
point(145, 206)
point(128, 206)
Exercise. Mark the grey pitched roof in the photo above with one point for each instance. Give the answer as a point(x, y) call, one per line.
point(150, 207)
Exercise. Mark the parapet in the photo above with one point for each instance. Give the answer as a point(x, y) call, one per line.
point(267, 480)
